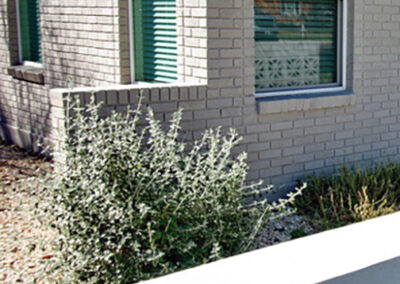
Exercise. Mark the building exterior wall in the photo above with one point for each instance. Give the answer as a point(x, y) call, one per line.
point(24, 106)
point(81, 44)
point(285, 138)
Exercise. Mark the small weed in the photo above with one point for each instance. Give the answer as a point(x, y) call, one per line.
point(367, 209)
point(298, 233)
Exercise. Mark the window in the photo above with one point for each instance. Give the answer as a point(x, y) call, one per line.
point(29, 36)
point(300, 46)
point(153, 43)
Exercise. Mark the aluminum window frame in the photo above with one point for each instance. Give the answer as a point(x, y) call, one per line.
point(341, 69)
point(131, 42)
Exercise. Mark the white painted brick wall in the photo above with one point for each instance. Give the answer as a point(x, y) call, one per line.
point(88, 42)
point(81, 42)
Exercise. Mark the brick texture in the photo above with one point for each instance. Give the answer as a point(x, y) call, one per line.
point(24, 107)
point(87, 41)
point(81, 42)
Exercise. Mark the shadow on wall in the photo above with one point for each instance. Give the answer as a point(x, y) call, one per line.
point(4, 131)
point(63, 62)
point(27, 123)
point(24, 107)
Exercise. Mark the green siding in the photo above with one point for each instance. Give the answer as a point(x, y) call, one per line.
point(155, 40)
point(29, 25)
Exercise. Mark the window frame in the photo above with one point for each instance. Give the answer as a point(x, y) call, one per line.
point(341, 69)
point(36, 64)
point(131, 42)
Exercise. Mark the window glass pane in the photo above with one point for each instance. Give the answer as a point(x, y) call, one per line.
point(29, 25)
point(155, 40)
point(296, 43)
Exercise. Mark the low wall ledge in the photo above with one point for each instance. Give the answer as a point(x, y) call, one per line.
point(139, 86)
point(282, 104)
point(366, 252)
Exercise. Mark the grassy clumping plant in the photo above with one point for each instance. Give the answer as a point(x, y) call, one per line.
point(132, 204)
point(351, 195)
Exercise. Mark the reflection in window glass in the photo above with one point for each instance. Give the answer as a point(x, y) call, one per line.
point(296, 44)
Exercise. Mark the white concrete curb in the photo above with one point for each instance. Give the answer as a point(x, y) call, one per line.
point(307, 260)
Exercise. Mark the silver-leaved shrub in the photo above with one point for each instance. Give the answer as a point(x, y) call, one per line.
point(133, 203)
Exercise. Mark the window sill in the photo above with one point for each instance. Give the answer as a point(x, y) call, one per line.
point(27, 73)
point(282, 104)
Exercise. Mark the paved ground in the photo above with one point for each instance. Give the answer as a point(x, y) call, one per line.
point(25, 244)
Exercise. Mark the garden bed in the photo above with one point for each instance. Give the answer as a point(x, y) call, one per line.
point(27, 248)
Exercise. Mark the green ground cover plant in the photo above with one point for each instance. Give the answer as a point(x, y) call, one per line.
point(133, 203)
point(350, 195)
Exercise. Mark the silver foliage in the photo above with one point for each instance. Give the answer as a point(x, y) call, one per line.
point(135, 203)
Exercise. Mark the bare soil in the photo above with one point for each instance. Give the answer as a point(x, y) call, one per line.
point(26, 245)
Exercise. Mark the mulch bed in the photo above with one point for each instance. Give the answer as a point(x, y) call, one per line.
point(26, 246)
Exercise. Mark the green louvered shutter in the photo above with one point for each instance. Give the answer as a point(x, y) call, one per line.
point(297, 43)
point(29, 30)
point(155, 40)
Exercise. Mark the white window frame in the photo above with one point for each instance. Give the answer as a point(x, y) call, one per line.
point(342, 52)
point(22, 62)
point(131, 42)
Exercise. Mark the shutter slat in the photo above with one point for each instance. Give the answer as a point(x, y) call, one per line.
point(155, 40)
